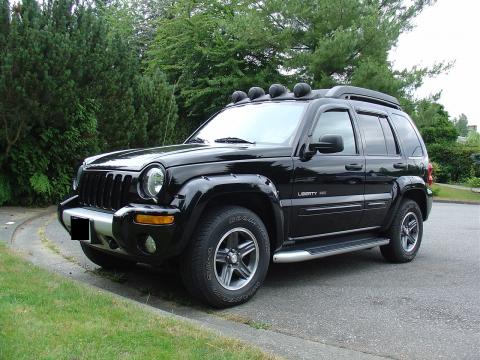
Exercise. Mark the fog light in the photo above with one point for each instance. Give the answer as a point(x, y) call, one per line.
point(150, 245)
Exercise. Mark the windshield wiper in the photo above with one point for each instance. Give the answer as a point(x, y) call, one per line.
point(197, 140)
point(233, 140)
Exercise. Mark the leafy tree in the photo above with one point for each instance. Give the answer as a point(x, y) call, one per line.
point(433, 122)
point(136, 20)
point(210, 48)
point(461, 123)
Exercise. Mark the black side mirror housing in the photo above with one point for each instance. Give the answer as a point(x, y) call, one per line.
point(327, 144)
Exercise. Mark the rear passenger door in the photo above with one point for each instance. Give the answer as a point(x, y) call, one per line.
point(412, 148)
point(384, 164)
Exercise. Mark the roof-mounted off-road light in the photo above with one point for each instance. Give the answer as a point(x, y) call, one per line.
point(277, 90)
point(255, 92)
point(238, 96)
point(301, 89)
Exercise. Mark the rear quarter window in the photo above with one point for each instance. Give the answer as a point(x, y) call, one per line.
point(412, 145)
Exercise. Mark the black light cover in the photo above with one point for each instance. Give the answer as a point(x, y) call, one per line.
point(276, 90)
point(255, 92)
point(301, 89)
point(238, 96)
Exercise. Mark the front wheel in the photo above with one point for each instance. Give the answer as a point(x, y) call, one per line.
point(228, 258)
point(405, 233)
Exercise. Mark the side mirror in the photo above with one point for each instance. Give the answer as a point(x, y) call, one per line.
point(328, 144)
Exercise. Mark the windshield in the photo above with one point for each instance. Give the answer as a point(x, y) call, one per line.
point(264, 123)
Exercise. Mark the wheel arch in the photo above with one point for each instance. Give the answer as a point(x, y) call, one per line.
point(408, 187)
point(254, 192)
point(420, 198)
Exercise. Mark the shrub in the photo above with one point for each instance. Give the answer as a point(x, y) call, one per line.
point(455, 161)
point(5, 190)
point(474, 182)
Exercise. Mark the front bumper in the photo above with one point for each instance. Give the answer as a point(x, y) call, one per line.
point(118, 233)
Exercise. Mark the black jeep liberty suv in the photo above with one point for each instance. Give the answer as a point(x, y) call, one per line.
point(282, 177)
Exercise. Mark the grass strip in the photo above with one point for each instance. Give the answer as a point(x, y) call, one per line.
point(44, 316)
point(447, 193)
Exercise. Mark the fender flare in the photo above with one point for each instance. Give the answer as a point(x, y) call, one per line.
point(195, 194)
point(401, 186)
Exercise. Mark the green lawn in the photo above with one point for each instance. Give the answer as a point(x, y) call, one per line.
point(44, 316)
point(447, 193)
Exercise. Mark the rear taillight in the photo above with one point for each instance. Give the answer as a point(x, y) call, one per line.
point(430, 174)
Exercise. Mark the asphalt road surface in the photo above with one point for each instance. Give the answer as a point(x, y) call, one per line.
point(426, 309)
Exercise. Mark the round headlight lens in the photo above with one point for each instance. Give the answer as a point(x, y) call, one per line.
point(152, 181)
point(76, 180)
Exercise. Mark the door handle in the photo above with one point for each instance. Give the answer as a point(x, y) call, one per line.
point(354, 167)
point(400, 166)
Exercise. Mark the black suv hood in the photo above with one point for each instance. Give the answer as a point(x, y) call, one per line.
point(168, 156)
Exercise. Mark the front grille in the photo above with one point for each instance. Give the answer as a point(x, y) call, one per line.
point(104, 190)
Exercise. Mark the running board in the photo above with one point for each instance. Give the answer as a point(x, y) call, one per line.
point(328, 250)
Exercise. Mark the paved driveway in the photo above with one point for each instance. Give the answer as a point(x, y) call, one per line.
point(426, 309)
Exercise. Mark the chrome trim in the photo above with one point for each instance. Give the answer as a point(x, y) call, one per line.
point(378, 196)
point(329, 209)
point(102, 221)
point(303, 255)
point(327, 200)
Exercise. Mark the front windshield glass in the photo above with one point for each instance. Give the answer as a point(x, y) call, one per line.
point(264, 123)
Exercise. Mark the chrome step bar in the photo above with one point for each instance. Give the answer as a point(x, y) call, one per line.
point(310, 254)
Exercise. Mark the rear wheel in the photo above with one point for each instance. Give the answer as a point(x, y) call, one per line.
point(405, 233)
point(228, 258)
point(104, 260)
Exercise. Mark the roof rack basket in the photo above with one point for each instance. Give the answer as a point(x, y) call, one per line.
point(361, 94)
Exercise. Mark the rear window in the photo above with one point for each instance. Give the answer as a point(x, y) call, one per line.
point(411, 143)
point(373, 133)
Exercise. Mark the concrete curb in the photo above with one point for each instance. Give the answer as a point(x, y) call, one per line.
point(26, 215)
point(43, 212)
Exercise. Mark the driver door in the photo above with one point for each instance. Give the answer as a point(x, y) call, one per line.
point(328, 194)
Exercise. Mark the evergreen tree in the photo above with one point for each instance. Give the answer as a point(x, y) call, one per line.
point(68, 86)
point(434, 123)
point(211, 48)
point(461, 123)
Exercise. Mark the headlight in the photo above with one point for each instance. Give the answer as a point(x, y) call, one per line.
point(76, 179)
point(152, 181)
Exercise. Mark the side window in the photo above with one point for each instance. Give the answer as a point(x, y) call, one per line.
point(392, 147)
point(337, 122)
point(411, 143)
point(373, 133)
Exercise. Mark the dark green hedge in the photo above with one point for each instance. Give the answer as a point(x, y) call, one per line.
point(70, 87)
point(455, 160)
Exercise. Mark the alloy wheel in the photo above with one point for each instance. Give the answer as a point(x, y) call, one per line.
point(409, 231)
point(236, 258)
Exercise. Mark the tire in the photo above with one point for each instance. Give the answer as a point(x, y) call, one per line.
point(228, 257)
point(106, 261)
point(404, 244)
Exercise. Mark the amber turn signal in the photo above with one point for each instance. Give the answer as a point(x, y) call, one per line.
point(154, 219)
